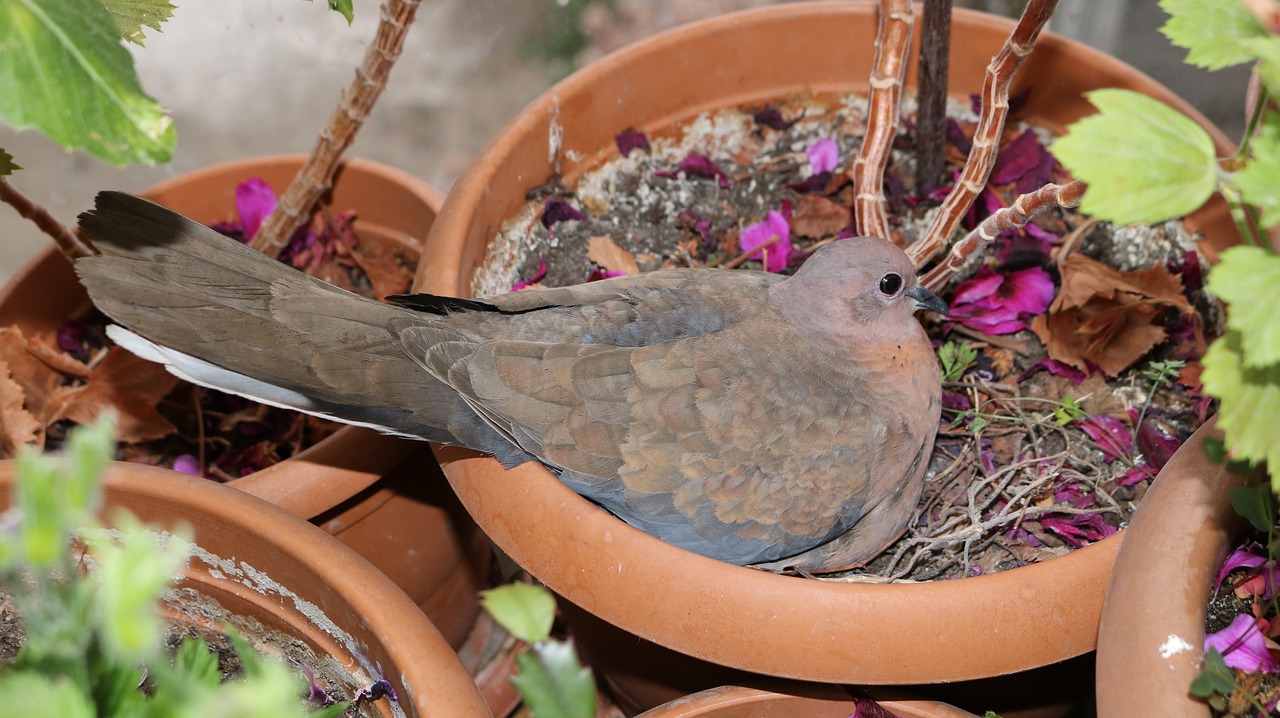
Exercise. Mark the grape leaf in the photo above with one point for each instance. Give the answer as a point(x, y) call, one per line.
point(1267, 50)
point(1246, 279)
point(131, 16)
point(66, 73)
point(526, 611)
point(1249, 402)
point(1212, 31)
point(1143, 160)
point(1259, 181)
point(7, 165)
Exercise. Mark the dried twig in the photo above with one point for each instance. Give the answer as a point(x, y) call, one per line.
point(893, 41)
point(1014, 216)
point(70, 244)
point(316, 175)
point(986, 140)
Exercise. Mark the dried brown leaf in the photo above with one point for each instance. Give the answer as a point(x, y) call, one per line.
point(40, 384)
point(817, 217)
point(606, 253)
point(388, 265)
point(1084, 279)
point(129, 385)
point(60, 361)
point(17, 425)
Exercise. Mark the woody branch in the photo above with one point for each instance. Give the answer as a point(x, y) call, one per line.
point(986, 141)
point(316, 175)
point(1015, 216)
point(893, 41)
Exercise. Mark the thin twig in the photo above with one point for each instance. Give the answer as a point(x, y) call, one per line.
point(931, 118)
point(1015, 216)
point(316, 175)
point(986, 139)
point(893, 42)
point(68, 242)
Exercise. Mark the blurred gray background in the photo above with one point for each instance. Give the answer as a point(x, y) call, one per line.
point(253, 77)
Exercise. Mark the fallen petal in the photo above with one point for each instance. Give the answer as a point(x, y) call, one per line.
point(628, 140)
point(777, 254)
point(824, 155)
point(254, 201)
point(1243, 645)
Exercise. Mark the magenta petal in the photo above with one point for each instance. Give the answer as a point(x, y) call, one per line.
point(1243, 557)
point(1018, 158)
point(1110, 434)
point(187, 464)
point(598, 274)
point(558, 210)
point(824, 155)
point(980, 286)
point(1028, 290)
point(542, 272)
point(696, 165)
point(1155, 446)
point(1242, 645)
point(773, 225)
point(254, 201)
point(628, 140)
point(1136, 474)
point(772, 117)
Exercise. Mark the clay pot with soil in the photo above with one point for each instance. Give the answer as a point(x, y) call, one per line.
point(662, 601)
point(749, 702)
point(286, 583)
point(380, 495)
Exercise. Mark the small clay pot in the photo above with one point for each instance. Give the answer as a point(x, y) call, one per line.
point(1151, 636)
point(850, 633)
point(406, 520)
point(260, 562)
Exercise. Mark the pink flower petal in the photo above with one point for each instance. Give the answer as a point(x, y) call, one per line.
point(979, 287)
point(1018, 158)
point(542, 272)
point(1243, 645)
point(696, 165)
point(1056, 368)
point(1028, 290)
point(824, 155)
point(777, 254)
point(1110, 434)
point(628, 140)
point(254, 201)
point(1156, 447)
point(187, 464)
point(558, 210)
point(772, 117)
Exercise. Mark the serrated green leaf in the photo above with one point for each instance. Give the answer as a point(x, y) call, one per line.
point(1142, 160)
point(195, 661)
point(1259, 180)
point(554, 684)
point(345, 8)
point(1247, 278)
point(1249, 402)
point(1212, 31)
point(1267, 50)
point(66, 74)
point(524, 610)
point(7, 165)
point(131, 16)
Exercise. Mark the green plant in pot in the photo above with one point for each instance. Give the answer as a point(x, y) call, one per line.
point(87, 601)
point(1168, 167)
point(345, 479)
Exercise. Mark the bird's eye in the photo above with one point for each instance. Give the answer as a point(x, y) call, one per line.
point(890, 284)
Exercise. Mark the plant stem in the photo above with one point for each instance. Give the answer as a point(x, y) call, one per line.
point(931, 119)
point(316, 176)
point(889, 66)
point(71, 246)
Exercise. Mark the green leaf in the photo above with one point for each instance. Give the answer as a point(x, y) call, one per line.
point(342, 7)
point(197, 662)
point(1257, 504)
point(525, 610)
point(1214, 678)
point(1212, 31)
point(1249, 401)
point(66, 74)
point(1068, 410)
point(1267, 49)
point(27, 694)
point(1143, 161)
point(131, 16)
point(1247, 279)
point(554, 684)
point(955, 357)
point(7, 165)
point(1259, 180)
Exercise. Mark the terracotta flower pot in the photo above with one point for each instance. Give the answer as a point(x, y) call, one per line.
point(744, 702)
point(944, 631)
point(346, 482)
point(258, 561)
point(1159, 589)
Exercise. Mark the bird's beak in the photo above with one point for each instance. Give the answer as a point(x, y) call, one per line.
point(926, 299)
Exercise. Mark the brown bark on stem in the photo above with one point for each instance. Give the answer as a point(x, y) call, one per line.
point(1014, 216)
point(931, 120)
point(71, 246)
point(893, 43)
point(316, 176)
point(986, 140)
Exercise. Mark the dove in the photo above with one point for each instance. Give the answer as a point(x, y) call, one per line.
point(755, 418)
